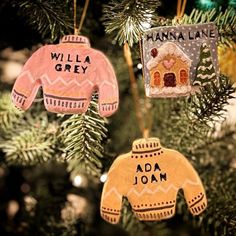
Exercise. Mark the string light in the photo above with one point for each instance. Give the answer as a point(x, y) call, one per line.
point(77, 181)
point(103, 177)
point(139, 66)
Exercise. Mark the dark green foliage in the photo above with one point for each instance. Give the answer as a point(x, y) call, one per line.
point(125, 19)
point(208, 105)
point(33, 137)
point(188, 126)
point(30, 146)
point(50, 18)
point(25, 139)
point(8, 113)
point(82, 137)
point(192, 120)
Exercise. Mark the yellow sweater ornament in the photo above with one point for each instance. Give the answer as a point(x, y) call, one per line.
point(150, 176)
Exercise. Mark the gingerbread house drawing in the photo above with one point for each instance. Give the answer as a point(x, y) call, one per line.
point(169, 71)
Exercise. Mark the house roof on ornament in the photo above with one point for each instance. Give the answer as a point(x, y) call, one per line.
point(168, 48)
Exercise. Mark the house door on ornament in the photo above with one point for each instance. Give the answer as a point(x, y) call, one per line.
point(169, 80)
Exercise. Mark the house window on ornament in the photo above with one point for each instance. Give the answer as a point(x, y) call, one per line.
point(183, 77)
point(157, 79)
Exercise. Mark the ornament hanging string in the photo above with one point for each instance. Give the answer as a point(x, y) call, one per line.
point(77, 28)
point(144, 124)
point(147, 102)
point(180, 8)
point(134, 87)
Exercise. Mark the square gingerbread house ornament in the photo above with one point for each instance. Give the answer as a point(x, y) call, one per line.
point(178, 60)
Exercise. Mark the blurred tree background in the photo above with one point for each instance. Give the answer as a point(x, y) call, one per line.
point(52, 167)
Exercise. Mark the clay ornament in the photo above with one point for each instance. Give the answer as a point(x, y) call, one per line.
point(150, 176)
point(174, 59)
point(68, 73)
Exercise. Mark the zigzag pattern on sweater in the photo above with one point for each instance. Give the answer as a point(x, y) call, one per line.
point(160, 188)
point(63, 81)
point(66, 82)
point(113, 190)
point(149, 191)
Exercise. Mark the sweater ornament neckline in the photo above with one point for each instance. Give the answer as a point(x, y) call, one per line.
point(150, 147)
point(75, 39)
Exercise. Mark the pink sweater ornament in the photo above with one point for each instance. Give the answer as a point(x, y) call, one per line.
point(68, 73)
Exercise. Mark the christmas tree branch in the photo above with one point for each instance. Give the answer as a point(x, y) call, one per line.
point(9, 115)
point(49, 18)
point(193, 119)
point(208, 105)
point(134, 88)
point(25, 139)
point(125, 20)
point(28, 144)
point(202, 113)
point(82, 139)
